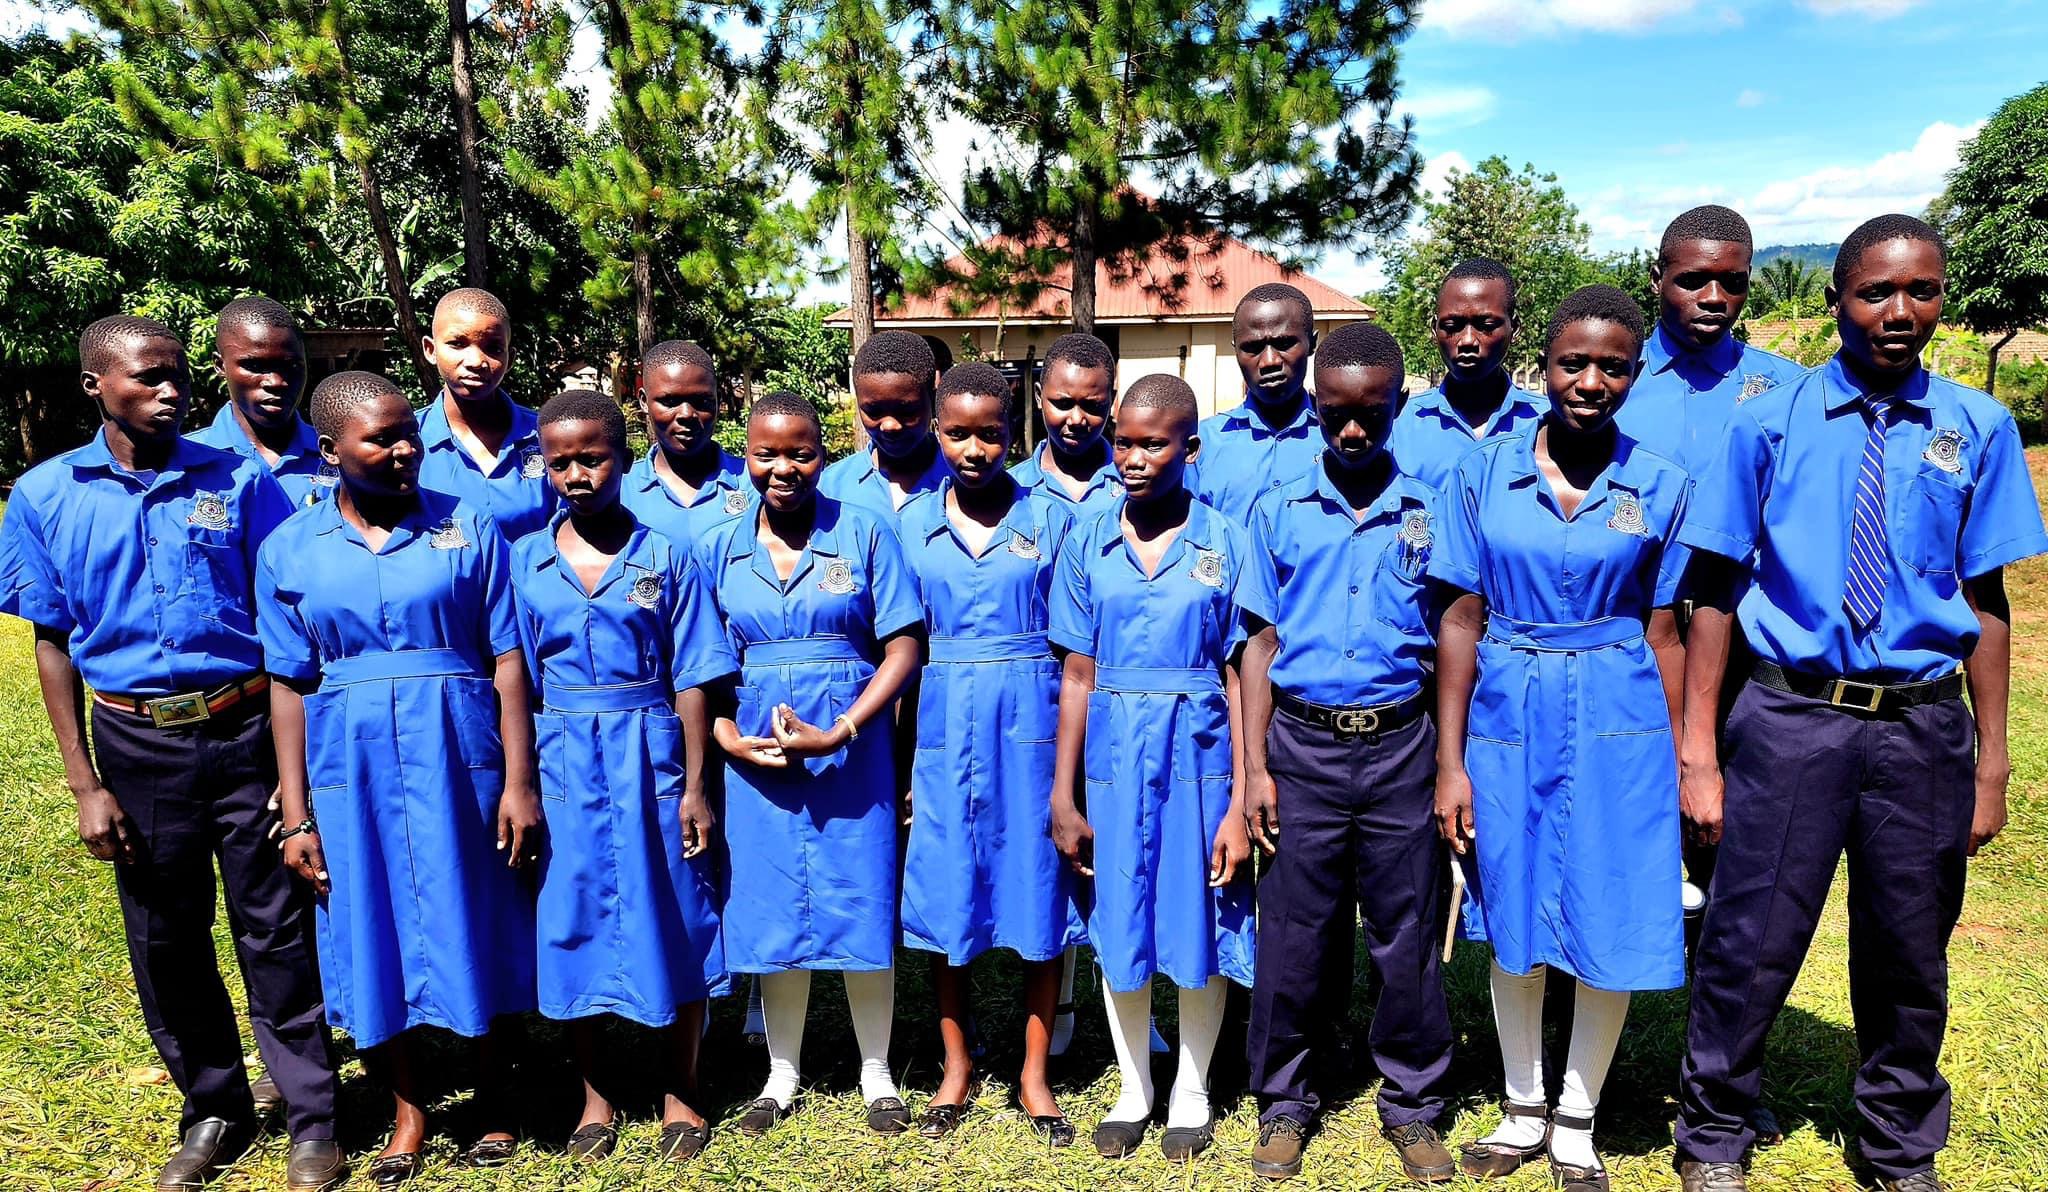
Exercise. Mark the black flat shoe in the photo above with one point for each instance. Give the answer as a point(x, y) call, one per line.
point(1054, 1129)
point(1114, 1140)
point(888, 1116)
point(761, 1116)
point(391, 1171)
point(680, 1141)
point(593, 1143)
point(315, 1165)
point(268, 1097)
point(1182, 1143)
point(491, 1152)
point(937, 1121)
point(209, 1148)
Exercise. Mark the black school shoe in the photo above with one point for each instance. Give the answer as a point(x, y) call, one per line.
point(1115, 1140)
point(761, 1115)
point(1182, 1143)
point(888, 1116)
point(209, 1148)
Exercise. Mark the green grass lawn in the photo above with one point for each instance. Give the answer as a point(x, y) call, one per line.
point(74, 1115)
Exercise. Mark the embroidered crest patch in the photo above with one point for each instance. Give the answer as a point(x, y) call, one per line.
point(1628, 515)
point(646, 590)
point(1946, 451)
point(1024, 548)
point(1753, 385)
point(447, 536)
point(735, 502)
point(838, 578)
point(209, 512)
point(1415, 532)
point(532, 465)
point(1208, 568)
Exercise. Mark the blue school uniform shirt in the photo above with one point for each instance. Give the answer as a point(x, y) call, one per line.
point(515, 492)
point(1347, 597)
point(300, 472)
point(151, 577)
point(1104, 487)
point(1958, 504)
point(724, 494)
point(1183, 616)
point(1679, 406)
point(1243, 456)
point(1430, 437)
point(856, 480)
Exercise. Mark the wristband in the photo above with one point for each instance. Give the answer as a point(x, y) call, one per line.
point(306, 827)
point(852, 729)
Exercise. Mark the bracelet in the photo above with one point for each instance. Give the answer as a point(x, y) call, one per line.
point(306, 827)
point(852, 729)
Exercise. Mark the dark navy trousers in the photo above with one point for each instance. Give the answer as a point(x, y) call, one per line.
point(1805, 783)
point(1357, 828)
point(198, 794)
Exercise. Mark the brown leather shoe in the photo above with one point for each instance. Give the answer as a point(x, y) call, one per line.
point(1695, 1176)
point(315, 1165)
point(1424, 1157)
point(210, 1147)
point(1278, 1155)
point(268, 1097)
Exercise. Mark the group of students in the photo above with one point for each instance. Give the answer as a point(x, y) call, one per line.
point(704, 699)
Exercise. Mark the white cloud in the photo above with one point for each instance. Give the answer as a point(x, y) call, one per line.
point(1451, 108)
point(1513, 20)
point(1750, 97)
point(1881, 9)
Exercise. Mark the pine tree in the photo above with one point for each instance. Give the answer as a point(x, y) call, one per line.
point(476, 269)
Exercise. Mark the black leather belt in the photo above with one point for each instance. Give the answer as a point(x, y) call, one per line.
point(1355, 720)
point(1875, 698)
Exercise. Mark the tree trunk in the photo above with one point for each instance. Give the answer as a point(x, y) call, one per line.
point(396, 284)
point(475, 264)
point(1991, 362)
point(1082, 299)
point(860, 280)
point(643, 286)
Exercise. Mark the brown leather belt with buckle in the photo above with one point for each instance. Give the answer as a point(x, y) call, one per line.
point(1353, 721)
point(1878, 699)
point(186, 707)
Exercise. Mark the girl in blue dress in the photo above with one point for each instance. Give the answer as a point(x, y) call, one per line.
point(823, 614)
point(619, 635)
point(1145, 609)
point(982, 871)
point(1558, 679)
point(405, 753)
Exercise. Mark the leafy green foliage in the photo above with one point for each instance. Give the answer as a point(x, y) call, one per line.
point(1995, 216)
point(1786, 288)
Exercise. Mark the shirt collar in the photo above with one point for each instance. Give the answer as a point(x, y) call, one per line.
point(1034, 472)
point(633, 554)
point(1437, 403)
point(1400, 491)
point(1662, 352)
point(426, 515)
point(95, 455)
point(435, 431)
point(227, 433)
point(1244, 416)
point(1203, 531)
point(731, 472)
point(827, 531)
point(1843, 388)
point(927, 519)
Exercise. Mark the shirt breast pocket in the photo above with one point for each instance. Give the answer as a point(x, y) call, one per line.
point(1399, 593)
point(216, 578)
point(1933, 522)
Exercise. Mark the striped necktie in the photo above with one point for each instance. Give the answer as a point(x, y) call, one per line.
point(1869, 548)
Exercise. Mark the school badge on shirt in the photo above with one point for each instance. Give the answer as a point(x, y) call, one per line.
point(209, 512)
point(1024, 548)
point(838, 578)
point(1754, 385)
point(1628, 515)
point(646, 591)
point(1208, 568)
point(447, 536)
point(531, 465)
point(1415, 539)
point(735, 502)
point(1946, 451)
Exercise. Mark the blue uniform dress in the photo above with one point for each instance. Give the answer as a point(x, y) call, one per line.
point(856, 480)
point(1679, 407)
point(814, 845)
point(1243, 457)
point(1104, 487)
point(1569, 744)
point(1157, 762)
point(982, 871)
point(426, 925)
point(627, 926)
point(514, 494)
point(1431, 438)
point(300, 472)
point(723, 496)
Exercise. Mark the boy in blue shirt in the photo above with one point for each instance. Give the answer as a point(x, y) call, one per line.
point(262, 361)
point(133, 558)
point(1873, 508)
point(1339, 746)
point(894, 374)
point(1473, 329)
point(686, 483)
point(1271, 438)
point(1075, 393)
point(481, 446)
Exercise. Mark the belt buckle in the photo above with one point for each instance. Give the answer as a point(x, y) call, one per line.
point(1842, 699)
point(1356, 722)
point(171, 711)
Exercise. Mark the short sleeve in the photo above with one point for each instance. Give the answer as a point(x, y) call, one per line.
point(2003, 523)
point(1455, 556)
point(1258, 587)
point(699, 651)
point(1673, 557)
point(31, 586)
point(264, 508)
point(1234, 635)
point(1070, 611)
point(1726, 509)
point(891, 585)
point(529, 629)
point(494, 573)
point(288, 647)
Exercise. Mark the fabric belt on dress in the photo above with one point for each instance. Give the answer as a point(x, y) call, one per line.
point(1856, 695)
point(399, 664)
point(1158, 680)
point(1562, 636)
point(1353, 720)
point(1009, 647)
point(605, 697)
point(783, 651)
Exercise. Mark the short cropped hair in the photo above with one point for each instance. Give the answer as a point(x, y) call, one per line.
point(897, 352)
point(336, 398)
point(475, 301)
point(586, 405)
point(1361, 345)
point(98, 343)
point(1596, 303)
point(1280, 291)
point(1163, 391)
point(1082, 350)
point(671, 352)
point(981, 380)
point(1483, 269)
point(256, 310)
point(782, 403)
point(1710, 222)
point(1875, 232)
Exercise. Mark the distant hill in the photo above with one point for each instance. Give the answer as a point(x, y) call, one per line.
point(1821, 256)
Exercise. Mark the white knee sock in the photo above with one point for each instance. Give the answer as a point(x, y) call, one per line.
point(1201, 1020)
point(1063, 1020)
point(1130, 1014)
point(1596, 1027)
point(1518, 1016)
point(785, 999)
point(871, 1000)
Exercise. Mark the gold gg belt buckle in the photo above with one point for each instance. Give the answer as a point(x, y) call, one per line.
point(170, 711)
point(1356, 722)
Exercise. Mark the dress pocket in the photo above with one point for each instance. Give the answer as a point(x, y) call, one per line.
point(665, 752)
point(1498, 694)
point(1033, 690)
point(326, 740)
